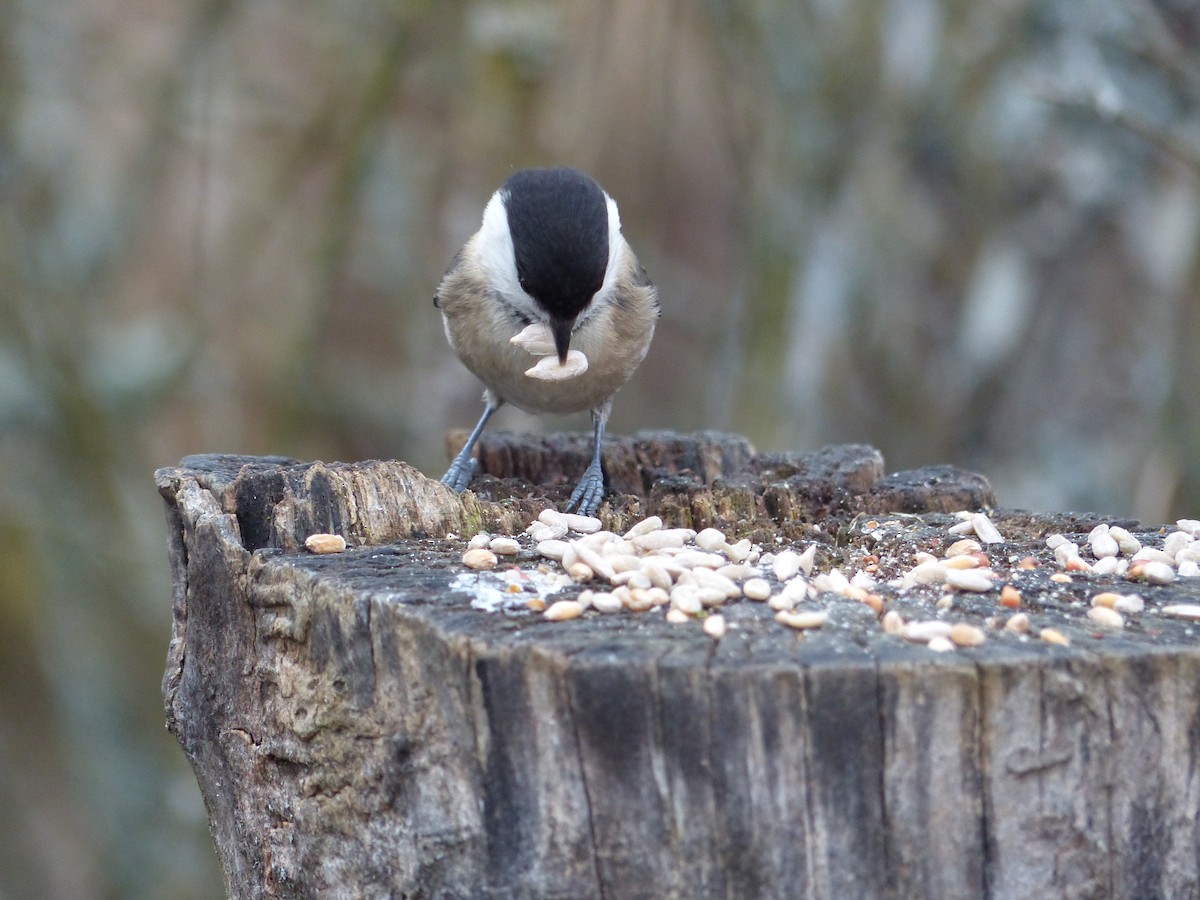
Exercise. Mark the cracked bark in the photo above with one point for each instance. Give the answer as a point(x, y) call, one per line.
point(358, 731)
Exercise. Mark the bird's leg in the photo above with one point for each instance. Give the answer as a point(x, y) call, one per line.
point(590, 491)
point(464, 467)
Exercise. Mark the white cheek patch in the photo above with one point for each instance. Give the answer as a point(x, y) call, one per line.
point(535, 339)
point(616, 244)
point(498, 260)
point(548, 368)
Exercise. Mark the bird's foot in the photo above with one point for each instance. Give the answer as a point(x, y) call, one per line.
point(460, 473)
point(586, 497)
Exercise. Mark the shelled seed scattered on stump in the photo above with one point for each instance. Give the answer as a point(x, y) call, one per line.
point(686, 575)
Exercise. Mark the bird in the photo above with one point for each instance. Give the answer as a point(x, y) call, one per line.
point(548, 306)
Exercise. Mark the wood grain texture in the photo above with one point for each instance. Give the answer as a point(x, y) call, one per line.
point(358, 730)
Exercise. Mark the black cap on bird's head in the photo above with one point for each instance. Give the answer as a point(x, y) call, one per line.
point(558, 219)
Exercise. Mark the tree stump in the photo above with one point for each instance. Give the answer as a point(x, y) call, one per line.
point(358, 729)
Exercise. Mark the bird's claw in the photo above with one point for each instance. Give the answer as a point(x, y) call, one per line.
point(586, 497)
point(460, 473)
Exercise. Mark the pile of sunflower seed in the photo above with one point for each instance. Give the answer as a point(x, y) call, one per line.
point(692, 575)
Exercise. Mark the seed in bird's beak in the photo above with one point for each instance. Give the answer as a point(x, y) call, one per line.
point(536, 339)
point(548, 368)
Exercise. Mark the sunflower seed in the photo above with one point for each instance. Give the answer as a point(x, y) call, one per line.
point(1128, 544)
point(978, 580)
point(986, 531)
point(479, 558)
point(536, 339)
point(562, 610)
point(1103, 544)
point(686, 599)
point(553, 549)
point(606, 603)
point(1175, 542)
point(893, 622)
point(960, 548)
point(647, 525)
point(802, 621)
point(595, 561)
point(325, 543)
point(661, 539)
point(1157, 572)
point(504, 546)
point(580, 571)
point(757, 589)
point(1018, 623)
point(710, 539)
point(548, 368)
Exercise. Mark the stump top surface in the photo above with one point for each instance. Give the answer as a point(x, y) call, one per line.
point(427, 578)
point(397, 523)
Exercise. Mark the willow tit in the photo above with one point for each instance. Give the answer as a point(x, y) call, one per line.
point(548, 306)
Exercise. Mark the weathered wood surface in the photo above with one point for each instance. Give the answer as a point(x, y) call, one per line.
point(358, 730)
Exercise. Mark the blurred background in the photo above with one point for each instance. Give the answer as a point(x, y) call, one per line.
point(963, 232)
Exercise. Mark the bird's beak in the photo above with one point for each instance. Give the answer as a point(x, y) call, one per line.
point(561, 329)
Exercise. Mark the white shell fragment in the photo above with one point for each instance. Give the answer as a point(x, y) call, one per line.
point(1105, 617)
point(1183, 611)
point(548, 368)
point(786, 565)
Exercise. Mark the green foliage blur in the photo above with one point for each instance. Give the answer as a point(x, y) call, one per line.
point(964, 232)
